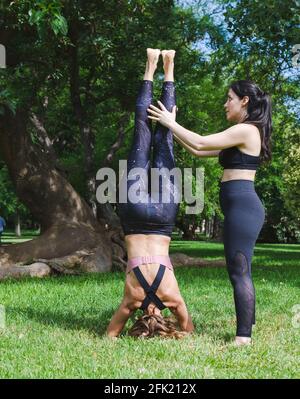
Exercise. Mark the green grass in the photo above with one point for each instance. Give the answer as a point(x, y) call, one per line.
point(9, 237)
point(54, 326)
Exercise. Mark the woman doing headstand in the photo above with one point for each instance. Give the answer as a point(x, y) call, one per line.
point(150, 281)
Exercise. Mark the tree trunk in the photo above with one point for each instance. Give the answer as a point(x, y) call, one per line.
point(206, 227)
point(217, 234)
point(87, 136)
point(203, 226)
point(187, 227)
point(17, 224)
point(211, 229)
point(105, 212)
point(67, 223)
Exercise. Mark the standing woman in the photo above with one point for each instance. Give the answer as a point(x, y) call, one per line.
point(240, 149)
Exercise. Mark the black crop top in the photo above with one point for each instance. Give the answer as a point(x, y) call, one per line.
point(233, 158)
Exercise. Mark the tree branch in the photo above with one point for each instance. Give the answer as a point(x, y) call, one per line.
point(118, 143)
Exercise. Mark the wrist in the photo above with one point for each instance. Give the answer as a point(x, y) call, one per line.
point(173, 126)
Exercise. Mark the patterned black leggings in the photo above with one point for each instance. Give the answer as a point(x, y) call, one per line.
point(243, 219)
point(151, 215)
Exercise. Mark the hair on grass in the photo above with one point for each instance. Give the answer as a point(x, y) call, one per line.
point(149, 326)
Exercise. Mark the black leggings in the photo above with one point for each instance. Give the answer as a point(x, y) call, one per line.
point(146, 216)
point(243, 219)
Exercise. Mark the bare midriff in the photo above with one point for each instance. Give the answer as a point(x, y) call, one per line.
point(147, 245)
point(238, 174)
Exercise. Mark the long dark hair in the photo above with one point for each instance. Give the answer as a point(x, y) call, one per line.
point(259, 112)
point(149, 326)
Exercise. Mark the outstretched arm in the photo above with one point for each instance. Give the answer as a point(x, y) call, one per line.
point(197, 152)
point(233, 136)
point(119, 320)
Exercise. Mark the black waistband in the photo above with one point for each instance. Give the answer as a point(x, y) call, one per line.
point(237, 185)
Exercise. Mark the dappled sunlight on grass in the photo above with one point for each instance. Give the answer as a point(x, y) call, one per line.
point(57, 324)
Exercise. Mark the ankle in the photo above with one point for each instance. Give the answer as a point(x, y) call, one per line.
point(149, 71)
point(169, 72)
point(169, 78)
point(242, 341)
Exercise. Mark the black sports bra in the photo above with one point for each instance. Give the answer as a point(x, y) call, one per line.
point(233, 158)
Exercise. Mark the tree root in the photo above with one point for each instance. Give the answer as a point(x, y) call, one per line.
point(37, 269)
point(181, 260)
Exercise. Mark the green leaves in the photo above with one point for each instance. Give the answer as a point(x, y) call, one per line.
point(35, 16)
point(8, 199)
point(212, 49)
point(48, 14)
point(7, 102)
point(59, 25)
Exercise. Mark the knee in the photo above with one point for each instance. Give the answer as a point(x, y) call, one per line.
point(238, 267)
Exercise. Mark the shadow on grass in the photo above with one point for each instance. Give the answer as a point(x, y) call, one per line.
point(94, 324)
point(57, 280)
point(97, 325)
point(222, 333)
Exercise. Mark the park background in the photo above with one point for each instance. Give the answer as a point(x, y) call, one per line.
point(67, 99)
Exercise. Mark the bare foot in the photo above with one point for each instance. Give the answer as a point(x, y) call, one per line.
point(153, 55)
point(168, 57)
point(168, 60)
point(151, 64)
point(239, 341)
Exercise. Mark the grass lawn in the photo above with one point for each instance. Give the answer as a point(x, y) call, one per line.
point(54, 326)
point(9, 236)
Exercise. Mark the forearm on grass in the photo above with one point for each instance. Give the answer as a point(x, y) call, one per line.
point(118, 320)
point(183, 317)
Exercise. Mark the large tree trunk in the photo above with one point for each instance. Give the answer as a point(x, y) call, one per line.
point(188, 228)
point(217, 231)
point(67, 223)
point(87, 135)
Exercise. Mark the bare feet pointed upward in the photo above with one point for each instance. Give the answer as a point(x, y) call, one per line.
point(168, 61)
point(151, 64)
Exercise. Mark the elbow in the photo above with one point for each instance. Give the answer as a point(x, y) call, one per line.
point(194, 152)
point(198, 154)
point(190, 326)
point(112, 334)
point(200, 146)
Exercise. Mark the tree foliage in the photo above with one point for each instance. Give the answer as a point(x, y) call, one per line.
point(64, 53)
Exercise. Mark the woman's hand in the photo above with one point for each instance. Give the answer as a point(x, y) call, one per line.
point(163, 116)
